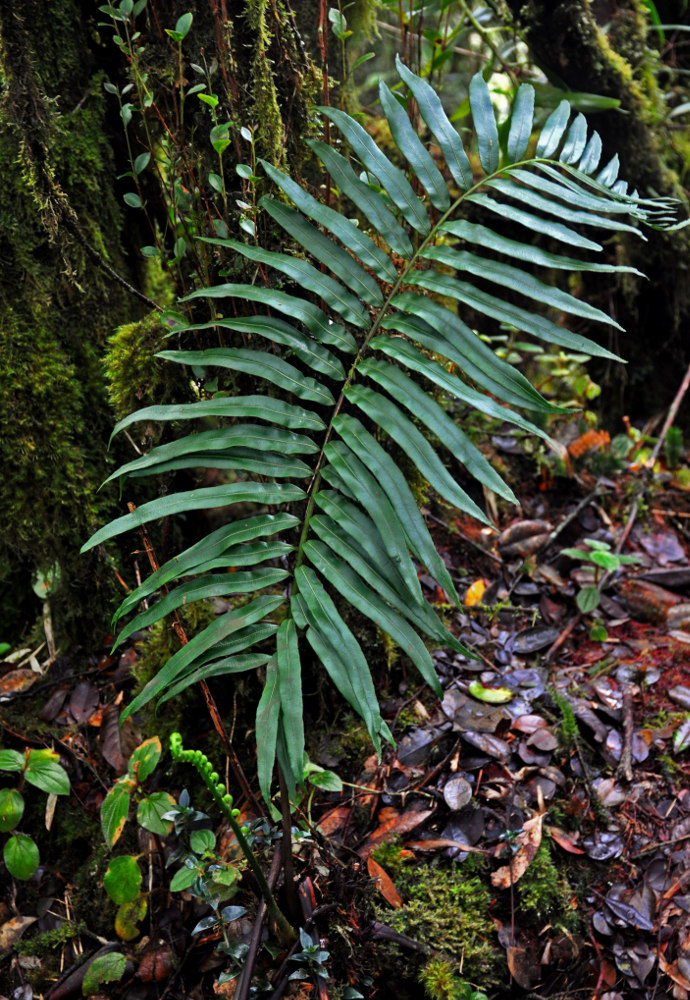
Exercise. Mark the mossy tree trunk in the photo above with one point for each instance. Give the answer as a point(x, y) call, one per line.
point(68, 238)
point(567, 41)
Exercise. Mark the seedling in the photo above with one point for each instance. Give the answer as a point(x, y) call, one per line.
point(39, 768)
point(604, 562)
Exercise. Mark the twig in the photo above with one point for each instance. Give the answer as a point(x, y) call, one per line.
point(673, 410)
point(245, 979)
point(598, 491)
point(624, 769)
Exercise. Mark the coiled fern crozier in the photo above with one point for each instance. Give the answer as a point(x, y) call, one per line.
point(354, 353)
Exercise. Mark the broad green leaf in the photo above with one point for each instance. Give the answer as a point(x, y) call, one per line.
point(353, 538)
point(316, 321)
point(12, 760)
point(385, 471)
point(339, 651)
point(401, 430)
point(305, 275)
point(122, 881)
point(43, 771)
point(433, 416)
point(325, 250)
point(392, 179)
point(278, 331)
point(21, 856)
point(608, 175)
point(369, 202)
point(144, 759)
point(484, 123)
point(413, 359)
point(108, 968)
point(201, 499)
point(250, 554)
point(575, 141)
point(472, 354)
point(259, 363)
point(251, 436)
point(588, 599)
point(290, 685)
point(202, 840)
point(114, 810)
point(267, 463)
point(215, 585)
point(184, 659)
point(410, 145)
point(267, 717)
point(361, 245)
point(276, 411)
point(222, 667)
point(183, 878)
point(431, 110)
point(349, 584)
point(367, 489)
point(152, 809)
point(557, 208)
point(484, 237)
point(560, 186)
point(534, 223)
point(553, 131)
point(521, 122)
point(11, 808)
point(244, 638)
point(203, 552)
point(508, 276)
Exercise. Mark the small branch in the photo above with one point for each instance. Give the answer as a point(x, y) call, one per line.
point(624, 769)
point(673, 410)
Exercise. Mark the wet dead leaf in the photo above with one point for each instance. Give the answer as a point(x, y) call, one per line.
point(527, 841)
point(16, 681)
point(564, 840)
point(393, 824)
point(84, 701)
point(523, 969)
point(333, 820)
point(384, 883)
point(12, 930)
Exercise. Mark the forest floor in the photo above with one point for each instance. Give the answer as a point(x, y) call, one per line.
point(529, 836)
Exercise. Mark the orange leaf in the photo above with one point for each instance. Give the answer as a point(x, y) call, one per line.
point(475, 592)
point(384, 883)
point(333, 820)
point(394, 825)
point(564, 841)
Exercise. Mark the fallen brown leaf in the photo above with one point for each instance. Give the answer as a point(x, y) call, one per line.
point(528, 841)
point(384, 883)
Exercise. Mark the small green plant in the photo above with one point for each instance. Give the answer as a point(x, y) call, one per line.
point(604, 561)
point(123, 879)
point(312, 958)
point(41, 769)
point(224, 802)
point(441, 981)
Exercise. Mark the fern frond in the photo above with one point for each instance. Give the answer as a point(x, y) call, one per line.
point(349, 338)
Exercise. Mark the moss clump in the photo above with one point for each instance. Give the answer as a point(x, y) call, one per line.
point(442, 982)
point(544, 893)
point(136, 377)
point(448, 907)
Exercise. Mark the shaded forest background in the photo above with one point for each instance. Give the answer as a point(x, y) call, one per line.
point(79, 300)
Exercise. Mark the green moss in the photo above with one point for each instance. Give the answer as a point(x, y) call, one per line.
point(442, 982)
point(544, 894)
point(266, 113)
point(49, 941)
point(448, 908)
point(136, 377)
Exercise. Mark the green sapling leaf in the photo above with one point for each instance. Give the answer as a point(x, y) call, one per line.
point(104, 969)
point(21, 856)
point(11, 808)
point(143, 761)
point(122, 881)
point(43, 771)
point(151, 811)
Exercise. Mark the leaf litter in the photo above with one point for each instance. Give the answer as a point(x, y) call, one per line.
point(520, 773)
